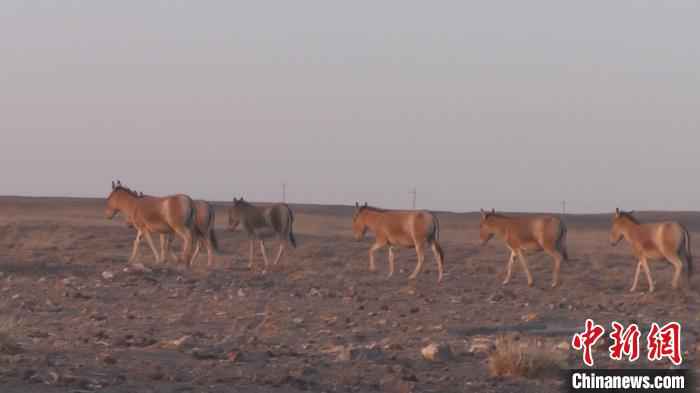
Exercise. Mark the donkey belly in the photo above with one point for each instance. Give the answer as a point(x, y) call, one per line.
point(531, 246)
point(264, 232)
point(159, 228)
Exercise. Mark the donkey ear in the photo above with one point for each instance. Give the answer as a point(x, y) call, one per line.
point(113, 185)
point(365, 204)
point(357, 204)
point(119, 183)
point(617, 212)
point(493, 211)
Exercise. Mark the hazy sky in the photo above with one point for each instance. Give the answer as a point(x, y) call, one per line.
point(508, 104)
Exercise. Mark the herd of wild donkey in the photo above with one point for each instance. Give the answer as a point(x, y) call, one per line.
point(193, 221)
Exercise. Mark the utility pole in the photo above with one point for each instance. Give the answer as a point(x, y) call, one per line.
point(414, 194)
point(284, 192)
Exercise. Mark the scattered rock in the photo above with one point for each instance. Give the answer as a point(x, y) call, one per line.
point(240, 292)
point(481, 345)
point(180, 343)
point(437, 353)
point(529, 317)
point(137, 268)
point(495, 298)
point(107, 275)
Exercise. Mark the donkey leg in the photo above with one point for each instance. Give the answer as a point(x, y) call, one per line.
point(187, 247)
point(197, 247)
point(372, 250)
point(252, 254)
point(645, 265)
point(279, 253)
point(264, 254)
point(419, 265)
point(134, 251)
point(437, 253)
point(677, 269)
point(391, 261)
point(163, 242)
point(210, 252)
point(149, 238)
point(523, 262)
point(636, 276)
point(557, 266)
point(509, 267)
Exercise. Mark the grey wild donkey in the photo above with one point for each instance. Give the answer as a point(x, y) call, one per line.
point(261, 223)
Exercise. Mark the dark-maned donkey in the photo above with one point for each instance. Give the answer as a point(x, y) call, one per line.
point(399, 228)
point(262, 223)
point(166, 215)
point(653, 241)
point(526, 234)
point(205, 217)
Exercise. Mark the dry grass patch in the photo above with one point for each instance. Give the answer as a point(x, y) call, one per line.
point(9, 326)
point(519, 358)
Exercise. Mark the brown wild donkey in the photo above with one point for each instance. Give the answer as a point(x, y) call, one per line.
point(654, 241)
point(526, 234)
point(262, 223)
point(204, 220)
point(397, 228)
point(205, 217)
point(166, 215)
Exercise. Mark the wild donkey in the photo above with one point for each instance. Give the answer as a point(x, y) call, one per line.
point(396, 228)
point(262, 223)
point(654, 241)
point(543, 233)
point(166, 215)
point(204, 220)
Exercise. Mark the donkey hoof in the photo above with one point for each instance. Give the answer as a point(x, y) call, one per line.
point(505, 282)
point(530, 284)
point(555, 284)
point(412, 277)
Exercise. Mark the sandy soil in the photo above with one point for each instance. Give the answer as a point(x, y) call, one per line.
point(319, 322)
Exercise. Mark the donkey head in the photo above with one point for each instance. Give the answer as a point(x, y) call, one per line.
point(620, 221)
point(486, 232)
point(234, 214)
point(112, 204)
point(359, 228)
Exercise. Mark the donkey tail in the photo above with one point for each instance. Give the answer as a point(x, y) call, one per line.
point(292, 239)
point(435, 235)
point(212, 232)
point(561, 242)
point(688, 252)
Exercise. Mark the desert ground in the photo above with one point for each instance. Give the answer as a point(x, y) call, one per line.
point(74, 317)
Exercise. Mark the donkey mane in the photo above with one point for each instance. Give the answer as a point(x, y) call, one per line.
point(128, 191)
point(629, 216)
point(372, 209)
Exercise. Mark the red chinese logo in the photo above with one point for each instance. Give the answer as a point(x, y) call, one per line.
point(586, 340)
point(663, 342)
point(625, 342)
